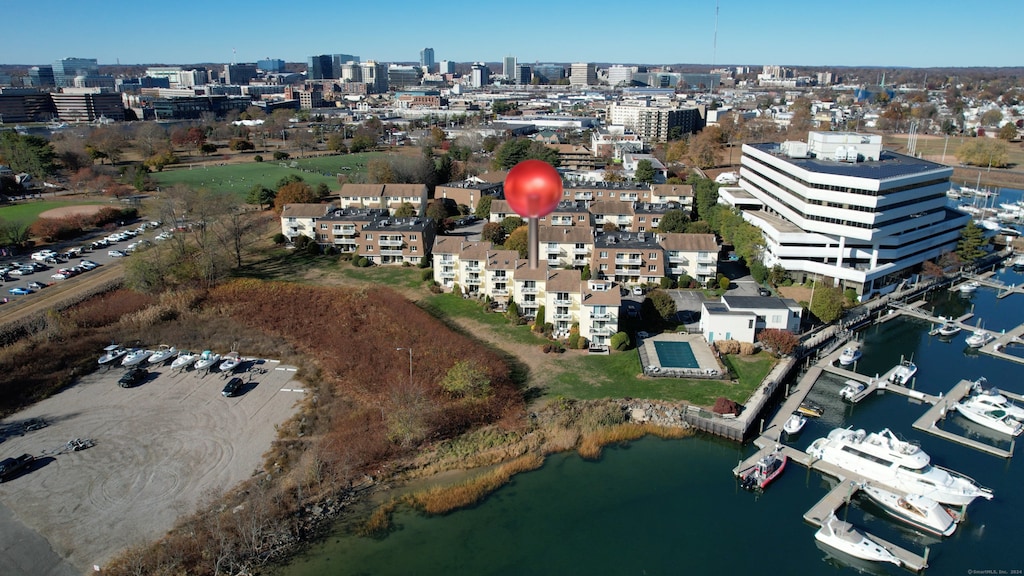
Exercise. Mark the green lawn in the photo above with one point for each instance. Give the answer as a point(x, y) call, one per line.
point(279, 263)
point(240, 178)
point(449, 305)
point(616, 376)
point(28, 211)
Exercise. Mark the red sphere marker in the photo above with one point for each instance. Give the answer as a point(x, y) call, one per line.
point(533, 189)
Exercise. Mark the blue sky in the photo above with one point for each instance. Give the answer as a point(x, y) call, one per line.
point(917, 33)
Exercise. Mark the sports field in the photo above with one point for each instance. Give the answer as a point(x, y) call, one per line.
point(29, 210)
point(240, 178)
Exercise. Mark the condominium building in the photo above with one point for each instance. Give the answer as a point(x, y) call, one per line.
point(563, 246)
point(599, 312)
point(692, 255)
point(628, 258)
point(841, 207)
point(582, 74)
point(397, 240)
point(655, 123)
point(468, 192)
point(343, 228)
point(389, 196)
point(300, 219)
point(742, 317)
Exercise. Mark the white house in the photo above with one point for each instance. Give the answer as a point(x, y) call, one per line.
point(742, 317)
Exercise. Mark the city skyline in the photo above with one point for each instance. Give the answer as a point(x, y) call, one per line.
point(913, 33)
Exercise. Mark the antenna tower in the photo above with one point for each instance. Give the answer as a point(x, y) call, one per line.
point(714, 43)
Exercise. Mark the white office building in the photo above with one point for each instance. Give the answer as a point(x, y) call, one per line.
point(839, 206)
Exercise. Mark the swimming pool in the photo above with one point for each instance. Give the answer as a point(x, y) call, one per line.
point(675, 355)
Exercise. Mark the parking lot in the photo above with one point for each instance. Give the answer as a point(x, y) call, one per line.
point(161, 448)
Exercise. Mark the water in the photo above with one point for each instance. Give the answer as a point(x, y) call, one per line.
point(673, 507)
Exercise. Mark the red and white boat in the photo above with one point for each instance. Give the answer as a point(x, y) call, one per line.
point(764, 471)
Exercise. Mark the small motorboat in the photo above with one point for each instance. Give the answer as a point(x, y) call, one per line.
point(948, 328)
point(969, 287)
point(851, 390)
point(111, 353)
point(849, 355)
point(795, 423)
point(987, 410)
point(808, 408)
point(919, 511)
point(136, 356)
point(903, 373)
point(844, 537)
point(979, 339)
point(163, 352)
point(207, 360)
point(184, 360)
point(764, 471)
point(231, 361)
point(1018, 262)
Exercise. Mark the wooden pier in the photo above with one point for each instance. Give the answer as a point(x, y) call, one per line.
point(942, 406)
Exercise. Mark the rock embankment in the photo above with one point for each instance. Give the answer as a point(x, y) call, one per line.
point(653, 412)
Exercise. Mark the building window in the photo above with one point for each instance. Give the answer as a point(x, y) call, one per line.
point(369, 236)
point(603, 267)
point(750, 324)
point(642, 229)
point(776, 319)
point(412, 237)
point(652, 256)
point(323, 226)
point(652, 268)
point(581, 218)
point(643, 218)
point(412, 249)
point(604, 254)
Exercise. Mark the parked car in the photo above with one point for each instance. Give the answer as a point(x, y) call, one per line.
point(19, 291)
point(132, 377)
point(36, 285)
point(11, 466)
point(764, 292)
point(638, 291)
point(43, 255)
point(88, 264)
point(116, 253)
point(732, 257)
point(60, 276)
point(232, 388)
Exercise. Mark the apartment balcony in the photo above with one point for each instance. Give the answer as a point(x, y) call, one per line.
point(603, 330)
point(529, 290)
point(561, 316)
point(709, 270)
point(554, 262)
point(604, 316)
point(583, 196)
point(345, 230)
point(473, 281)
point(391, 252)
point(566, 302)
point(345, 241)
point(637, 261)
point(581, 251)
point(619, 271)
point(499, 291)
point(472, 267)
point(707, 260)
point(448, 274)
point(397, 243)
point(677, 270)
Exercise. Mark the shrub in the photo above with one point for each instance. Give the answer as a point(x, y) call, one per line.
point(620, 341)
point(727, 346)
point(279, 238)
point(257, 158)
point(424, 262)
point(851, 295)
point(208, 148)
point(667, 282)
point(427, 274)
point(363, 262)
point(281, 155)
point(723, 283)
point(241, 144)
point(574, 340)
point(747, 348)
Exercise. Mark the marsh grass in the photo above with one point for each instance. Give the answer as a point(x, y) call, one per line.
point(594, 441)
point(444, 499)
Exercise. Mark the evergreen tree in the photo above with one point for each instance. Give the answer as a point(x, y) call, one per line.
point(969, 247)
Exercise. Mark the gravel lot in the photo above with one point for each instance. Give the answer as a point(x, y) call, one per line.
point(161, 448)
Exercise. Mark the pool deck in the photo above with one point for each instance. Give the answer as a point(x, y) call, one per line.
point(709, 366)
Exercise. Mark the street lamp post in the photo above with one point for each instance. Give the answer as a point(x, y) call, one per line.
point(410, 362)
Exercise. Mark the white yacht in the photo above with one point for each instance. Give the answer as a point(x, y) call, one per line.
point(163, 352)
point(948, 328)
point(969, 287)
point(903, 373)
point(207, 360)
point(991, 409)
point(795, 423)
point(850, 355)
point(136, 356)
point(111, 353)
point(184, 360)
point(882, 457)
point(844, 537)
point(919, 511)
point(979, 339)
point(851, 390)
point(231, 361)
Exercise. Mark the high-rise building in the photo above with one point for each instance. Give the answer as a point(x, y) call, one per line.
point(548, 73)
point(480, 75)
point(654, 123)
point(375, 76)
point(841, 207)
point(41, 76)
point(583, 74)
point(65, 70)
point(524, 75)
point(351, 72)
point(508, 66)
point(88, 104)
point(239, 74)
point(446, 67)
point(270, 65)
point(401, 76)
point(427, 58)
point(619, 75)
point(320, 67)
point(339, 60)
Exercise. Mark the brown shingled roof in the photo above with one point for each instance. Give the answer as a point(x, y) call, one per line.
point(360, 190)
point(502, 259)
point(305, 210)
point(611, 207)
point(672, 190)
point(563, 281)
point(565, 234)
point(689, 242)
